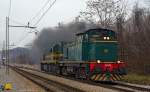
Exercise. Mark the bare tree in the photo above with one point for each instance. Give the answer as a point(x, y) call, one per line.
point(104, 12)
point(137, 37)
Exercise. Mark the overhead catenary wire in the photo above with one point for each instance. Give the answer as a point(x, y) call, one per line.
point(23, 37)
point(47, 2)
point(45, 12)
point(37, 14)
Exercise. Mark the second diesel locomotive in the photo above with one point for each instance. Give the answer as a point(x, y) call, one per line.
point(93, 55)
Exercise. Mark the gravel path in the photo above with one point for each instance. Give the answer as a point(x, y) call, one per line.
point(83, 86)
point(19, 83)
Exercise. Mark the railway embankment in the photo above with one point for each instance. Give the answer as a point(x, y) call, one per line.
point(137, 79)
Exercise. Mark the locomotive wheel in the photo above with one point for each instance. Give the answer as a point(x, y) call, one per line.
point(64, 70)
point(80, 73)
point(77, 74)
point(59, 70)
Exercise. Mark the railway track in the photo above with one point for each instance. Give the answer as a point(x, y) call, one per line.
point(47, 84)
point(132, 87)
point(120, 86)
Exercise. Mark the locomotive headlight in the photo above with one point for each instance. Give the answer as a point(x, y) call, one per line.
point(118, 61)
point(98, 61)
point(108, 38)
point(105, 38)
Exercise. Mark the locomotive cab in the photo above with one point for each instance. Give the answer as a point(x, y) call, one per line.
point(99, 45)
point(100, 49)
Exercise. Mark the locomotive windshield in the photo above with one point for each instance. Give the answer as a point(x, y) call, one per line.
point(102, 35)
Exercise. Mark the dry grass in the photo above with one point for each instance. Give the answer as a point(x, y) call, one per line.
point(137, 79)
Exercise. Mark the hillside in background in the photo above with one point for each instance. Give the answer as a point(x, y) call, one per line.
point(20, 55)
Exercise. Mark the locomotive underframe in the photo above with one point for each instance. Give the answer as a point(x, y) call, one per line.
point(84, 70)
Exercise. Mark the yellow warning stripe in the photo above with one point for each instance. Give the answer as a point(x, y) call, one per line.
point(97, 77)
point(102, 77)
point(112, 77)
point(116, 77)
point(93, 77)
point(120, 77)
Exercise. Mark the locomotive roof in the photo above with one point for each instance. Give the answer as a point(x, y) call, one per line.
point(96, 29)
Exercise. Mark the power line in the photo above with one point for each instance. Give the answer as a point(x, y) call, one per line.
point(46, 3)
point(45, 13)
point(25, 36)
point(32, 18)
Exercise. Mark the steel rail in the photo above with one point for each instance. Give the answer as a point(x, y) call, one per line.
point(47, 84)
point(125, 87)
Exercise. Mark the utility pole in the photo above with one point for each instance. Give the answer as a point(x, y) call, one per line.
point(7, 46)
point(7, 41)
point(3, 54)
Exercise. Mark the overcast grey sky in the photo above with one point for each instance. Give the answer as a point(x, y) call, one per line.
point(24, 10)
